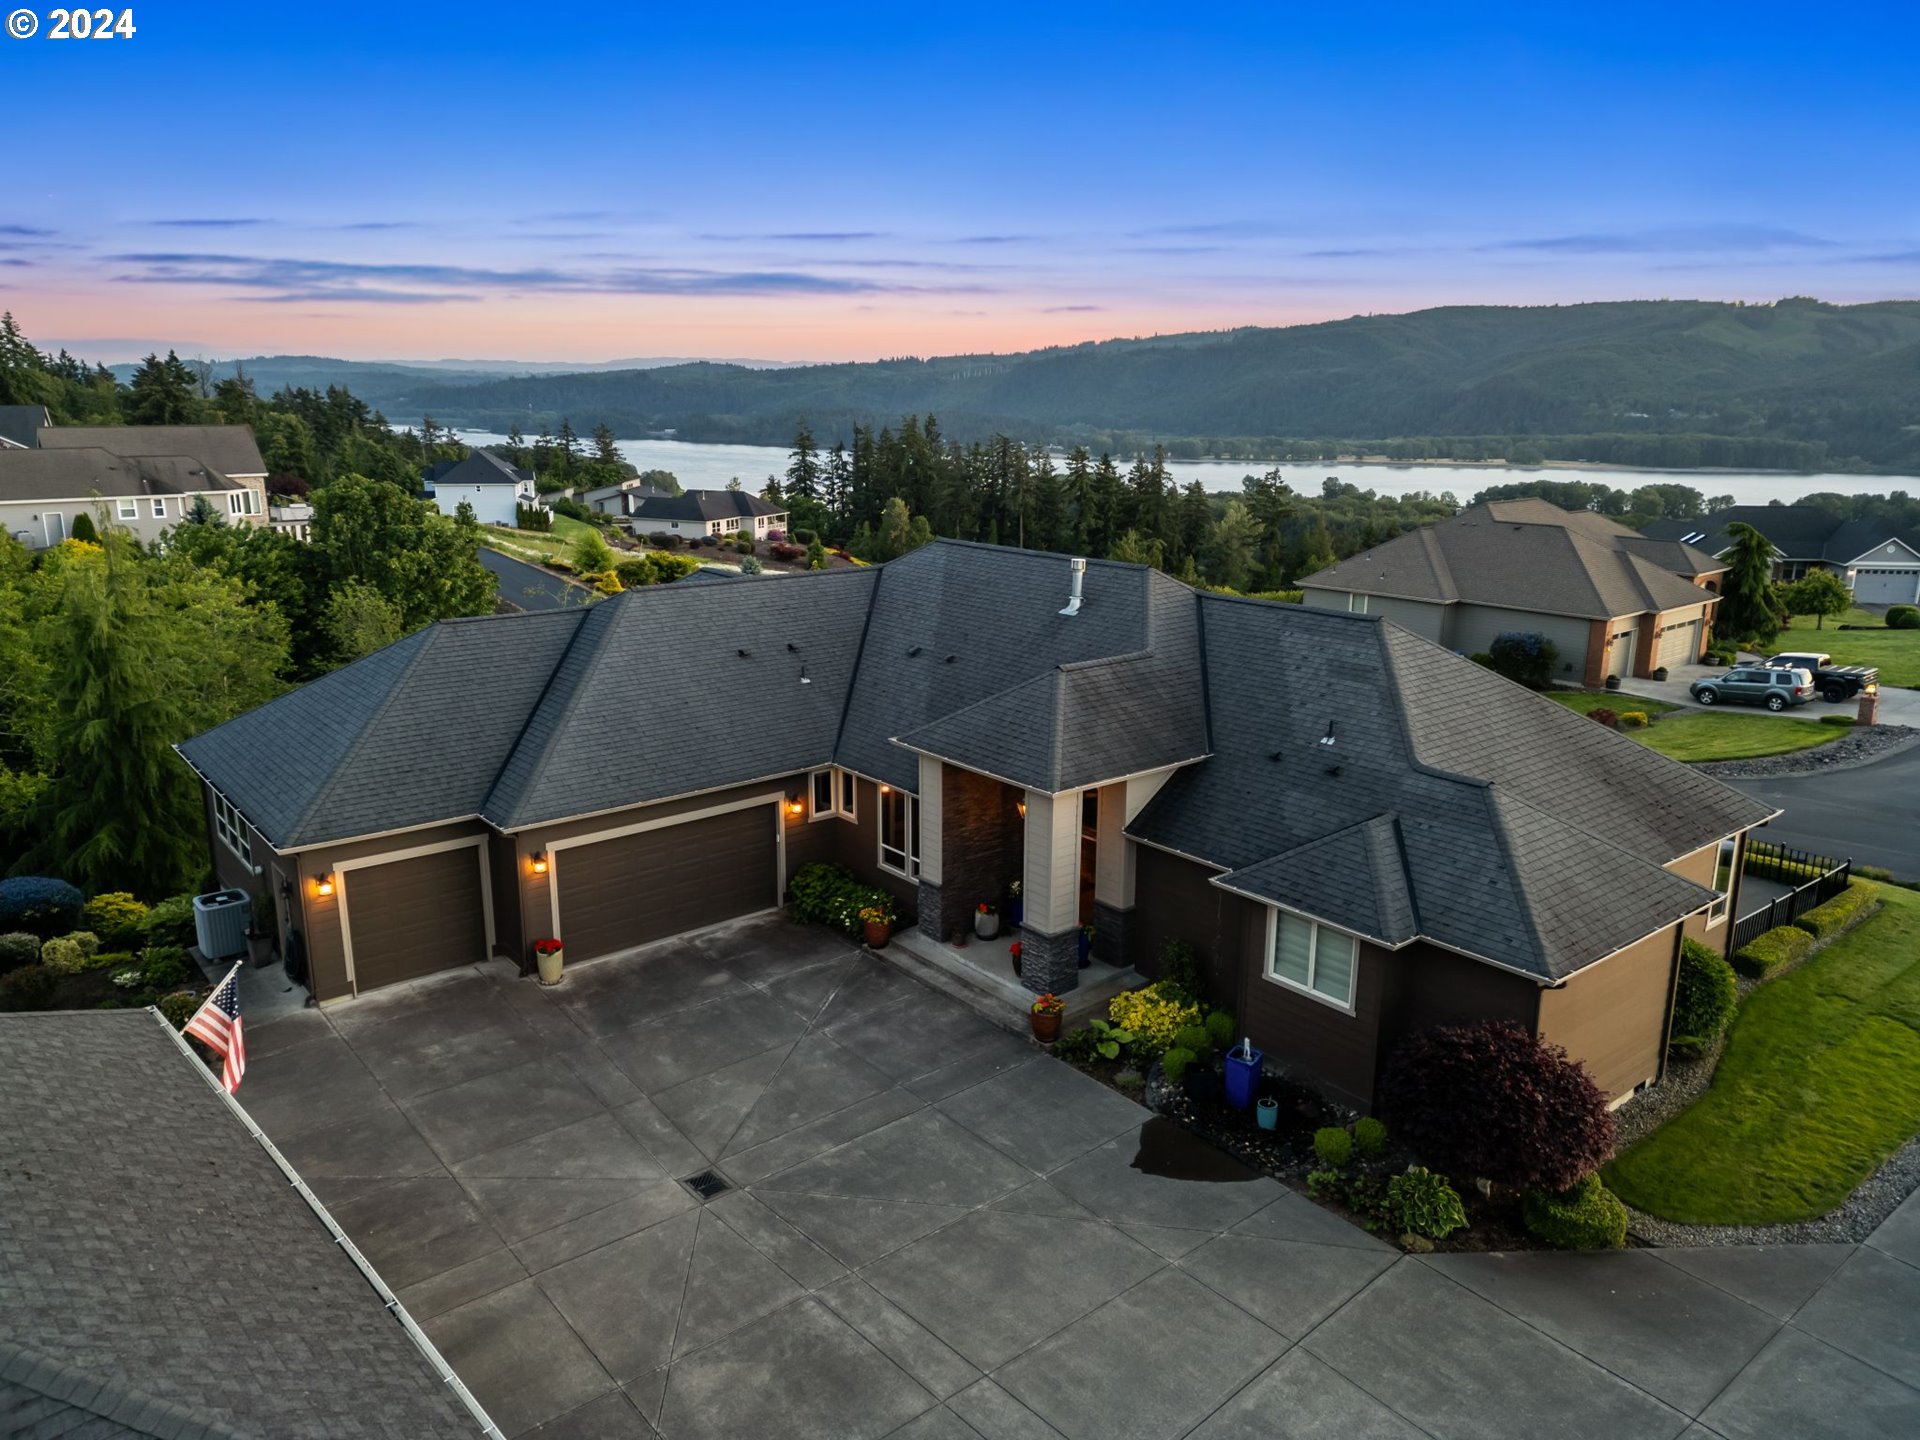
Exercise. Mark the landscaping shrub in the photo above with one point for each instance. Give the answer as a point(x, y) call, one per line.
point(1773, 952)
point(178, 1007)
point(1586, 1217)
point(40, 904)
point(664, 542)
point(1903, 617)
point(1704, 999)
point(1180, 965)
point(827, 895)
point(18, 948)
point(170, 922)
point(1601, 715)
point(1077, 1046)
point(1845, 910)
point(1194, 1038)
point(1837, 719)
point(751, 566)
point(1176, 1062)
point(787, 551)
point(71, 954)
point(115, 917)
point(1420, 1202)
point(1482, 659)
point(31, 987)
point(1493, 1100)
point(1524, 657)
point(1155, 1015)
point(653, 568)
point(163, 967)
point(1332, 1146)
point(1220, 1029)
point(1633, 719)
point(1370, 1137)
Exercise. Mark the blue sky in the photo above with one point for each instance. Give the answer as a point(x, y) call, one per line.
point(560, 182)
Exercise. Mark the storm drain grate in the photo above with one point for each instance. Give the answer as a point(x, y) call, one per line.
point(707, 1184)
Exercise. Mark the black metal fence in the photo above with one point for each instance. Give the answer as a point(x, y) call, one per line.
point(1815, 879)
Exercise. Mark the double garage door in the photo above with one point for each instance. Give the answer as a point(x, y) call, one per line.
point(632, 889)
point(409, 918)
point(1886, 587)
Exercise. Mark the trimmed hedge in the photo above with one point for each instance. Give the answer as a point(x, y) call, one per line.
point(1837, 720)
point(115, 917)
point(31, 987)
point(1843, 912)
point(39, 903)
point(1787, 872)
point(18, 948)
point(1903, 617)
point(170, 922)
point(1587, 1217)
point(1704, 1000)
point(1772, 952)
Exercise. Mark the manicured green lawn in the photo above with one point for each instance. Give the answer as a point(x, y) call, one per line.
point(535, 545)
point(1895, 652)
point(566, 528)
point(1586, 701)
point(1705, 734)
point(1819, 1084)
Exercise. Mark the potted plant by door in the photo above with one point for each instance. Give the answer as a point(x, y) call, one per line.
point(876, 920)
point(1086, 946)
point(1015, 906)
point(986, 921)
point(551, 957)
point(1045, 1018)
point(1014, 951)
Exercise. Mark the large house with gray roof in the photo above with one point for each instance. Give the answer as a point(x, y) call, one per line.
point(1612, 601)
point(1359, 832)
point(1878, 562)
point(144, 479)
point(727, 514)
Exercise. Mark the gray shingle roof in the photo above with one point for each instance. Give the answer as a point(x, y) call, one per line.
point(230, 449)
point(148, 1241)
point(1527, 835)
point(43, 1399)
point(79, 474)
point(1450, 804)
point(702, 505)
point(20, 425)
point(1525, 555)
point(477, 467)
point(1798, 532)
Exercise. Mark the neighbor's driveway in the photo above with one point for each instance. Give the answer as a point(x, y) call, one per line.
point(1897, 706)
point(938, 1234)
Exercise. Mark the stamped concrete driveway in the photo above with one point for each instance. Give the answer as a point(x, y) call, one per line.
point(934, 1231)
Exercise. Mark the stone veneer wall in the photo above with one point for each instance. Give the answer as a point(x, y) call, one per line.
point(1049, 962)
point(980, 849)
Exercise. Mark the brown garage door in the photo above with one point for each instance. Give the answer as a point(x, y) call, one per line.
point(627, 891)
point(414, 917)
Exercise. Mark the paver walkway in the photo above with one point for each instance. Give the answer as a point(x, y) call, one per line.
point(936, 1233)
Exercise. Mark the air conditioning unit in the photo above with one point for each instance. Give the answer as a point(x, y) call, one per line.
point(220, 922)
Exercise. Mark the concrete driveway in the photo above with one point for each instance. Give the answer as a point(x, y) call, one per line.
point(1897, 706)
point(935, 1231)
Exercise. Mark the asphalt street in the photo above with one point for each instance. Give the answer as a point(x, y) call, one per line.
point(528, 587)
point(1867, 814)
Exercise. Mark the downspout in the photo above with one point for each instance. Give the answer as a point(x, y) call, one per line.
point(1673, 991)
point(368, 1273)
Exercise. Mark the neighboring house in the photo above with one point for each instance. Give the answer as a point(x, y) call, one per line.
point(296, 520)
point(20, 426)
point(1612, 601)
point(620, 499)
point(1359, 832)
point(229, 449)
point(484, 481)
point(42, 490)
point(1878, 563)
point(726, 513)
point(162, 1275)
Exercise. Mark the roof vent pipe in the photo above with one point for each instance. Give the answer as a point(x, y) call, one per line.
point(1079, 568)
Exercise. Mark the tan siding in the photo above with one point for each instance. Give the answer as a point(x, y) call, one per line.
point(1699, 867)
point(1612, 1016)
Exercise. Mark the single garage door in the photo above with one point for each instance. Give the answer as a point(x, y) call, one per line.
point(627, 891)
point(1620, 653)
point(1886, 587)
point(1679, 644)
point(414, 917)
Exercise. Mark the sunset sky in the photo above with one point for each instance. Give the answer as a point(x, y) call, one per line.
point(835, 182)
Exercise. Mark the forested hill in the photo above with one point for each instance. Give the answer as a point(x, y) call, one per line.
point(1795, 384)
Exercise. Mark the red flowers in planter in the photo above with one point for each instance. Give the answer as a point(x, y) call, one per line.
point(545, 947)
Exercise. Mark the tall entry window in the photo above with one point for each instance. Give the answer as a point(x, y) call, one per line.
point(900, 832)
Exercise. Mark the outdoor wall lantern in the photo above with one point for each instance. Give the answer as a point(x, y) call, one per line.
point(795, 806)
point(324, 885)
point(1021, 806)
point(539, 862)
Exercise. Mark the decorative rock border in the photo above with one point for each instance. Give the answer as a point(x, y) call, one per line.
point(1859, 746)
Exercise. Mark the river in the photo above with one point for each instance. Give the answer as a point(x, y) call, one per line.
point(710, 467)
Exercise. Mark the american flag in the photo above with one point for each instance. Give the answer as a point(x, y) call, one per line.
point(216, 1024)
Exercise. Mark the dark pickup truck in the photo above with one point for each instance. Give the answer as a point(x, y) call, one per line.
point(1833, 682)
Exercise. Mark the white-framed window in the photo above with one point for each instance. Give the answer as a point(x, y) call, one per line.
point(236, 502)
point(733, 524)
point(1723, 883)
point(233, 830)
point(159, 507)
point(1357, 604)
point(830, 793)
point(127, 509)
point(1307, 956)
point(899, 832)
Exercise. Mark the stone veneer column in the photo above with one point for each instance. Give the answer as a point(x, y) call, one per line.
point(1050, 929)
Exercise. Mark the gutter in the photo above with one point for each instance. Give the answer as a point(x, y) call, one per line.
point(392, 1302)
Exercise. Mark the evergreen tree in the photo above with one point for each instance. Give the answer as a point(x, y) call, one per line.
point(162, 392)
point(83, 529)
point(803, 467)
point(1231, 546)
point(1270, 502)
point(1746, 591)
point(836, 485)
point(1080, 502)
point(605, 449)
point(1048, 529)
point(1192, 525)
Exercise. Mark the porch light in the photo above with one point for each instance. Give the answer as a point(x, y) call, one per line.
point(1021, 806)
point(795, 806)
point(539, 862)
point(324, 885)
point(886, 789)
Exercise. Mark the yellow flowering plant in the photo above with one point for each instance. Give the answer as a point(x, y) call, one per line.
point(1154, 1017)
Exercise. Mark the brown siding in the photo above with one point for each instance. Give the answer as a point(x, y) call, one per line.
point(1612, 1016)
point(857, 846)
point(506, 938)
point(1339, 1052)
point(1174, 901)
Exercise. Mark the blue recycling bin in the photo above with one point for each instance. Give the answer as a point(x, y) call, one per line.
point(1243, 1074)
